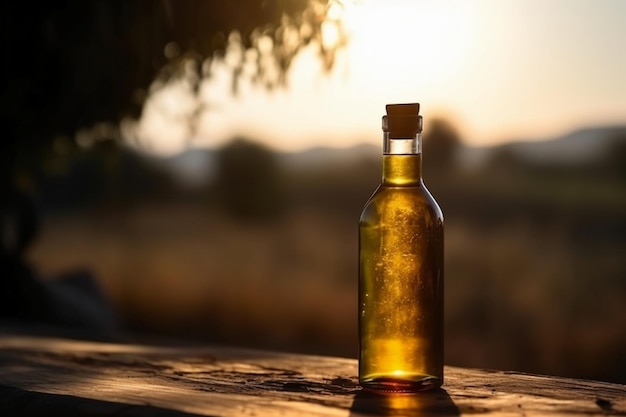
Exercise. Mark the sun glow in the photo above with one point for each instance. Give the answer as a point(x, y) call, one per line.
point(408, 39)
point(475, 62)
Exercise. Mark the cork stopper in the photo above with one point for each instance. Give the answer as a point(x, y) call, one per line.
point(402, 120)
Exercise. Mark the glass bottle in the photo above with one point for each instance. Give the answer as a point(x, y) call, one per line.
point(401, 268)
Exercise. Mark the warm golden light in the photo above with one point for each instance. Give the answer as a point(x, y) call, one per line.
point(401, 279)
point(475, 62)
point(332, 28)
point(426, 38)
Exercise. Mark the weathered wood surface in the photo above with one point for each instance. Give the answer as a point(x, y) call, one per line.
point(60, 376)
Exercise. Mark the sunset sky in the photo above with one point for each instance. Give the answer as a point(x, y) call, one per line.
point(498, 69)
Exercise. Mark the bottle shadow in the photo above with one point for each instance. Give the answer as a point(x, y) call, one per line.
point(429, 403)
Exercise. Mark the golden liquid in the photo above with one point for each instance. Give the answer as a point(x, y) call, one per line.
point(401, 282)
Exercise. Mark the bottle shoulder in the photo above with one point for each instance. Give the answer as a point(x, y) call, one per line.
point(414, 202)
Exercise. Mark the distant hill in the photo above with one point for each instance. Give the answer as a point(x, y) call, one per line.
point(193, 166)
point(196, 166)
point(572, 148)
point(576, 147)
point(324, 156)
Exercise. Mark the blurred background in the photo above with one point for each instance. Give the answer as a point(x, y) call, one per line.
point(195, 169)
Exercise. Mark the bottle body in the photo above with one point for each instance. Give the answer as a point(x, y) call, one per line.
point(401, 282)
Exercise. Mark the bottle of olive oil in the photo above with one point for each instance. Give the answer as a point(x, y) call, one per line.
point(401, 268)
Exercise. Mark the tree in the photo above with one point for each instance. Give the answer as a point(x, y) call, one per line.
point(441, 144)
point(615, 156)
point(73, 64)
point(77, 68)
point(248, 180)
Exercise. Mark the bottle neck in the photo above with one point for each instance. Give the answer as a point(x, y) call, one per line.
point(402, 161)
point(402, 146)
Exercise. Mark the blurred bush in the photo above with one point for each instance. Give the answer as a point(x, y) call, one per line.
point(248, 181)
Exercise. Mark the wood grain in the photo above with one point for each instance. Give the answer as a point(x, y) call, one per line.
point(43, 375)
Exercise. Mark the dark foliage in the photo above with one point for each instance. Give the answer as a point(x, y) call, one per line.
point(72, 65)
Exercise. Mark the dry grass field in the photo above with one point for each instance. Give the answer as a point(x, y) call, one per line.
point(518, 296)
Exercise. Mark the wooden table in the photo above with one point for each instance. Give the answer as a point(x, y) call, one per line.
point(52, 375)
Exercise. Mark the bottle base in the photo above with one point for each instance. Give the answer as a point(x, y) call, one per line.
point(391, 385)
